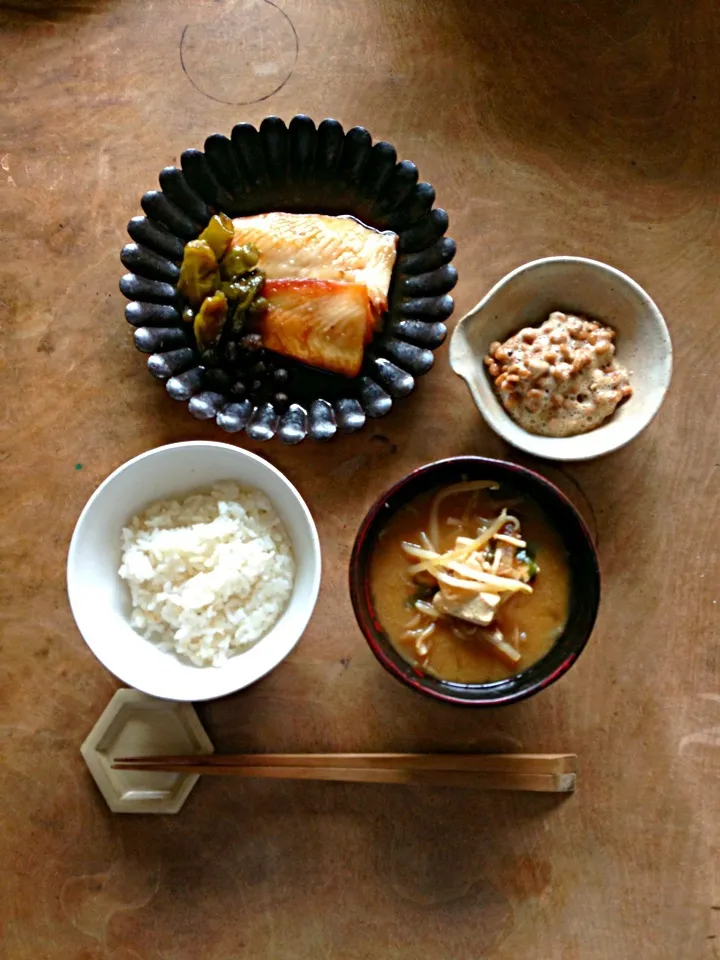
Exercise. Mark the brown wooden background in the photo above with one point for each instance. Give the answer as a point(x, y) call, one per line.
point(547, 126)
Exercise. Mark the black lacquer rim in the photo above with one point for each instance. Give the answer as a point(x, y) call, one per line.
point(585, 584)
point(298, 167)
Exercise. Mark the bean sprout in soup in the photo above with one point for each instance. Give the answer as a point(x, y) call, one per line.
point(470, 582)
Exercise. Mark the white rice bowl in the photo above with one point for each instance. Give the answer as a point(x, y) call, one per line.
point(209, 574)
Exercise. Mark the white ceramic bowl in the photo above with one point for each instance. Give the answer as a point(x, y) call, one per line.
point(527, 296)
point(100, 600)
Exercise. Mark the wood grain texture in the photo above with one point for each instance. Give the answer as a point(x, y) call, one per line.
point(541, 773)
point(578, 126)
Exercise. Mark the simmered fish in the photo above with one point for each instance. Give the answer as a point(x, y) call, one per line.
point(324, 323)
point(308, 245)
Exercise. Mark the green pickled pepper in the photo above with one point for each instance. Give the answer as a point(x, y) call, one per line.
point(199, 277)
point(244, 289)
point(218, 234)
point(210, 320)
point(238, 260)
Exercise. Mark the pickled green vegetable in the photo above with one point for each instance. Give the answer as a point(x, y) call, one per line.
point(218, 234)
point(210, 320)
point(259, 305)
point(221, 283)
point(244, 289)
point(238, 321)
point(235, 290)
point(239, 260)
point(199, 277)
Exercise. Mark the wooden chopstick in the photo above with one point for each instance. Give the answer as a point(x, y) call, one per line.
point(555, 773)
point(526, 762)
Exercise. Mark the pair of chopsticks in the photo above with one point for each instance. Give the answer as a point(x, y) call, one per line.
point(539, 772)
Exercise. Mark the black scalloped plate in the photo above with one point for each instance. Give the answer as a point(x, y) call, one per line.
point(302, 169)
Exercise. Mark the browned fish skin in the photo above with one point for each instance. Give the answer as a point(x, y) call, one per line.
point(323, 323)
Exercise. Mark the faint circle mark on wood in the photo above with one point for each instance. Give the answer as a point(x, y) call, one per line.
point(241, 59)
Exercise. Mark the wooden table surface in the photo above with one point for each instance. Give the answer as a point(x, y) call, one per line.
point(586, 127)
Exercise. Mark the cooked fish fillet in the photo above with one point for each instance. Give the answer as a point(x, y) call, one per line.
point(309, 245)
point(324, 323)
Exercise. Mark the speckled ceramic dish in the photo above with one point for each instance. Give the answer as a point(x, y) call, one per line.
point(584, 588)
point(526, 297)
point(295, 168)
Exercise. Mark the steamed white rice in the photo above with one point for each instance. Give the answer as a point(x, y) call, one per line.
point(209, 574)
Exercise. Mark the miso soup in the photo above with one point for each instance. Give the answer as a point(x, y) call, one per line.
point(470, 582)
